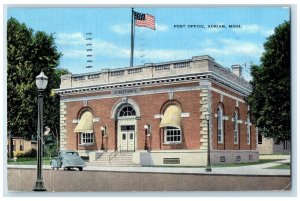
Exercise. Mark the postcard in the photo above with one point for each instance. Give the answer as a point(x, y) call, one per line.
point(148, 99)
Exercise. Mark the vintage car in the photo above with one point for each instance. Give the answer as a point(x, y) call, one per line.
point(67, 159)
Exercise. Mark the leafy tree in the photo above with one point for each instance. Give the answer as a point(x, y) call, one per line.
point(29, 53)
point(270, 99)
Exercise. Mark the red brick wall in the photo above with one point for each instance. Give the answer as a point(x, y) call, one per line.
point(152, 104)
point(149, 105)
point(229, 107)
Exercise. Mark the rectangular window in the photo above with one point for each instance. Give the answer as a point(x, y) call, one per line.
point(259, 139)
point(236, 140)
point(14, 145)
point(87, 138)
point(21, 145)
point(248, 133)
point(220, 128)
point(172, 135)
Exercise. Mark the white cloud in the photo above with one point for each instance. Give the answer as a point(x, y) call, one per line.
point(124, 29)
point(249, 28)
point(73, 46)
point(121, 29)
point(161, 27)
point(231, 47)
point(73, 53)
point(253, 28)
point(70, 39)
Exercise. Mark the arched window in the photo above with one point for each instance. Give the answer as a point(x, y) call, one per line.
point(235, 128)
point(248, 129)
point(85, 128)
point(127, 111)
point(171, 122)
point(220, 124)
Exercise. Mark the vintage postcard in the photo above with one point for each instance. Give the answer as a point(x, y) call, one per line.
point(148, 99)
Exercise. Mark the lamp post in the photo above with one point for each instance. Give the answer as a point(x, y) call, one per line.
point(41, 83)
point(208, 167)
point(147, 128)
point(103, 132)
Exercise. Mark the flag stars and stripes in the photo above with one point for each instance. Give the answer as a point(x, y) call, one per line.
point(144, 20)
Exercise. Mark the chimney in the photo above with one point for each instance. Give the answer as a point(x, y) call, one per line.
point(237, 70)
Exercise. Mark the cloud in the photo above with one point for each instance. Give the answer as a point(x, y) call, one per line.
point(121, 29)
point(73, 46)
point(161, 27)
point(125, 29)
point(220, 48)
point(253, 28)
point(70, 39)
point(240, 47)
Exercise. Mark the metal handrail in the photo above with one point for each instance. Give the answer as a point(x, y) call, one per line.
point(113, 154)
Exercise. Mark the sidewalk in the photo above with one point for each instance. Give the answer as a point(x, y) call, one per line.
point(259, 169)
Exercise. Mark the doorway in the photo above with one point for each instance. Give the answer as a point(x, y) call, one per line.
point(127, 138)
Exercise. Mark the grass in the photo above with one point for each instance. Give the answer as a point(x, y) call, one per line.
point(281, 166)
point(28, 161)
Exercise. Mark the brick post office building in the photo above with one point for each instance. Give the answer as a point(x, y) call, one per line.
point(156, 112)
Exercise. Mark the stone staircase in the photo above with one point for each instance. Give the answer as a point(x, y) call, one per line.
point(109, 159)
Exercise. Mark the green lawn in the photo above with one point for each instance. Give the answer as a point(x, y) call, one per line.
point(282, 166)
point(28, 161)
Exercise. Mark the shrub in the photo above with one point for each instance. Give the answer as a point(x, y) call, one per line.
point(30, 153)
point(18, 154)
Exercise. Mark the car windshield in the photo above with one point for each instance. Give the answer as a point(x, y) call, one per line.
point(72, 153)
point(69, 153)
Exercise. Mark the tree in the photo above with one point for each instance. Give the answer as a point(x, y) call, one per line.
point(29, 53)
point(270, 99)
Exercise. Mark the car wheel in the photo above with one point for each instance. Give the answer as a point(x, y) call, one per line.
point(80, 168)
point(57, 168)
point(52, 168)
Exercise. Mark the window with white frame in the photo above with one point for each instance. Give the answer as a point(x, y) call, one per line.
point(248, 129)
point(172, 135)
point(235, 128)
point(220, 124)
point(87, 138)
point(127, 111)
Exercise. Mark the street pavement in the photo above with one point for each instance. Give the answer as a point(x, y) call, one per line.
point(20, 178)
point(260, 169)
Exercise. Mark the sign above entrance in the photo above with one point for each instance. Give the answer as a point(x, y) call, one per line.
point(126, 91)
point(128, 128)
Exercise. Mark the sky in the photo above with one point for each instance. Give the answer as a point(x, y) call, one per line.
point(110, 28)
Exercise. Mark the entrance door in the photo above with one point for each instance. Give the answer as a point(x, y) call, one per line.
point(127, 137)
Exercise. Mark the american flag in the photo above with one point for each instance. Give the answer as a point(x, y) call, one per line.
point(144, 20)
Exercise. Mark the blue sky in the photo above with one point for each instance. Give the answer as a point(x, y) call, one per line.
point(110, 28)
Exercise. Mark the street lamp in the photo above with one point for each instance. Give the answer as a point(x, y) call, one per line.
point(147, 133)
point(208, 167)
point(41, 83)
point(103, 132)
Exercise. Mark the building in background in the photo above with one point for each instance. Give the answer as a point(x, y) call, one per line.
point(155, 113)
point(269, 146)
point(20, 144)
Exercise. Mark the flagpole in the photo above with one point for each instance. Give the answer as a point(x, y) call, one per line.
point(132, 37)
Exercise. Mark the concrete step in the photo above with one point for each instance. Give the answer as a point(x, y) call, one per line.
point(120, 159)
